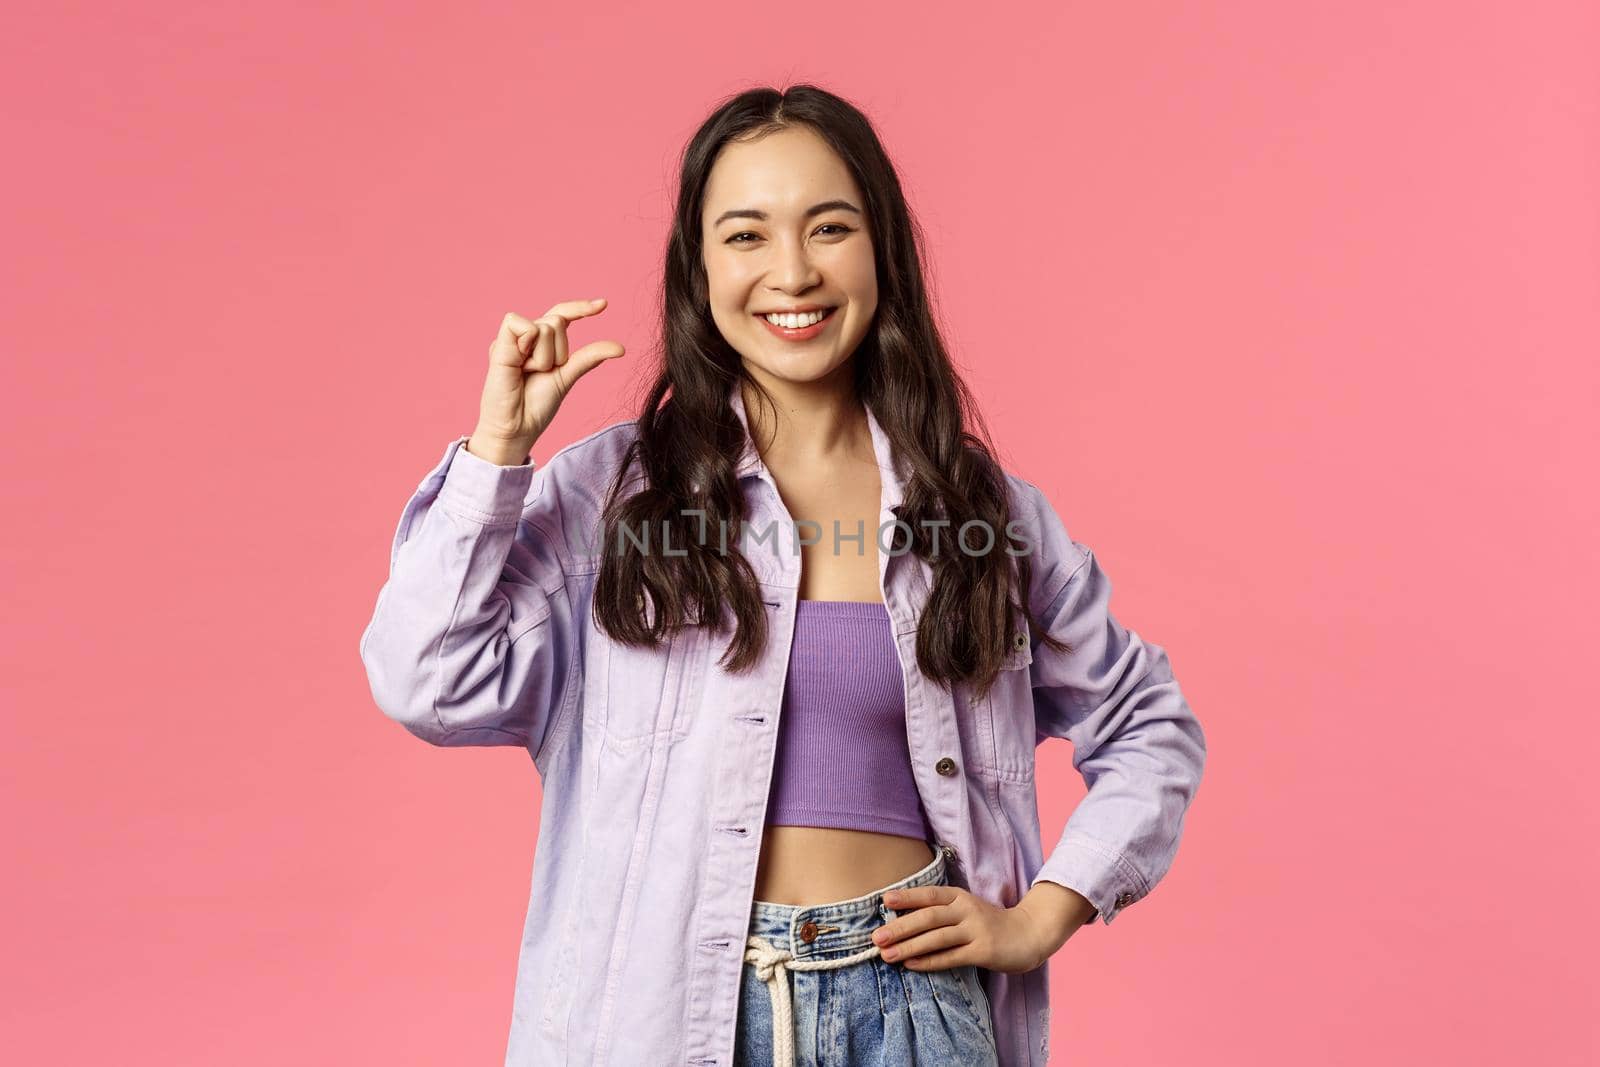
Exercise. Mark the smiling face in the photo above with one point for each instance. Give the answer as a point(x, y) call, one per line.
point(784, 228)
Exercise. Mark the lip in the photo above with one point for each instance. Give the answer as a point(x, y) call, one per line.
point(805, 333)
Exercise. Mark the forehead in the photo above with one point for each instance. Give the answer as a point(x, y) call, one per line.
point(782, 174)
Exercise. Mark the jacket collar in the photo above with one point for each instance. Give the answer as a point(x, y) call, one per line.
point(750, 463)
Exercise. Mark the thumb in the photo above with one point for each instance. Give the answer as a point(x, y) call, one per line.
point(589, 357)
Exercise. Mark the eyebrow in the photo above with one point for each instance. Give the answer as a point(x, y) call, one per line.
point(814, 209)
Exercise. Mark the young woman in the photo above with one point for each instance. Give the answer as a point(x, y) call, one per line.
point(781, 648)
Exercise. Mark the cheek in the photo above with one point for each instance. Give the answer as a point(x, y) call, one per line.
point(728, 289)
point(860, 280)
point(718, 270)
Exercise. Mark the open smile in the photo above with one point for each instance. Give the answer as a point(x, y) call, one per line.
point(803, 333)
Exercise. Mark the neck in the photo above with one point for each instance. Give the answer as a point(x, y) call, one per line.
point(808, 423)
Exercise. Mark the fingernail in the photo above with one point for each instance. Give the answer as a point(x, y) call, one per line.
point(889, 953)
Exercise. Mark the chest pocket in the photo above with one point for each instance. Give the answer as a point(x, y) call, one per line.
point(651, 695)
point(1009, 710)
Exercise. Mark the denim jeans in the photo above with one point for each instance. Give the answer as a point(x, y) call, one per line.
point(846, 1004)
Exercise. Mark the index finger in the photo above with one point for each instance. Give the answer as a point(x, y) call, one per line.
point(576, 309)
point(918, 896)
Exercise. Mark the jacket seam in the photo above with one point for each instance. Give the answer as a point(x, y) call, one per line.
point(1043, 507)
point(1055, 597)
point(456, 731)
point(556, 730)
point(463, 510)
point(438, 655)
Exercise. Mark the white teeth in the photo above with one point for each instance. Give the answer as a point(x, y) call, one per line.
point(795, 322)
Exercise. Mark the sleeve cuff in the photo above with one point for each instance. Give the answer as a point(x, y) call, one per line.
point(479, 491)
point(1095, 872)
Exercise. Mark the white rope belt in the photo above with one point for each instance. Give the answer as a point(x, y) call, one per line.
point(772, 967)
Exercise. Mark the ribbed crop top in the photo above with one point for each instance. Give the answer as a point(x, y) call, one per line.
point(843, 760)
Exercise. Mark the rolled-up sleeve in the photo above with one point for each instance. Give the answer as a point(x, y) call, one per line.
point(1136, 742)
point(472, 640)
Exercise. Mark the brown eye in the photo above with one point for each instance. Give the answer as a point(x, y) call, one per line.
point(734, 240)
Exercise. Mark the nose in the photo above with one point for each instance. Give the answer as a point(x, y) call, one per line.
point(792, 269)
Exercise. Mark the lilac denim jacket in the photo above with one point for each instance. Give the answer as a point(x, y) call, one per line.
point(656, 765)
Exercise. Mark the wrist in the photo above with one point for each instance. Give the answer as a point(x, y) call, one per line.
point(1060, 911)
point(498, 450)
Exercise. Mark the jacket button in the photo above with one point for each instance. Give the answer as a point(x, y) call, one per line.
point(945, 766)
point(1124, 899)
point(808, 931)
point(1019, 642)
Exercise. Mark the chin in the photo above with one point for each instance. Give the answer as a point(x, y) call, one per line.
point(800, 372)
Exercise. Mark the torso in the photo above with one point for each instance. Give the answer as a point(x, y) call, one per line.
point(810, 864)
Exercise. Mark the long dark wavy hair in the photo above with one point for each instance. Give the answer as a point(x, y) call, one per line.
point(689, 437)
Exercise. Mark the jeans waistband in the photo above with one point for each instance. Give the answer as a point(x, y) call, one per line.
point(841, 927)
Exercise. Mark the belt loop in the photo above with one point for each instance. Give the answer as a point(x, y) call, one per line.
point(952, 862)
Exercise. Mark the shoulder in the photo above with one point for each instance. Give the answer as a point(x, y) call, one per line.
point(582, 471)
point(567, 494)
point(1053, 554)
point(601, 448)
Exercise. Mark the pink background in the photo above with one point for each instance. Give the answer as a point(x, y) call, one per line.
point(1292, 310)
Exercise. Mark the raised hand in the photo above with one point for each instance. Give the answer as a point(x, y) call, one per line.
point(530, 373)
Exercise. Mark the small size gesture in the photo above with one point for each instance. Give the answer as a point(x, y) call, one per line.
point(530, 373)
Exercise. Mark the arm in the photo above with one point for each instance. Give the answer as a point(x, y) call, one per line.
point(1136, 742)
point(473, 639)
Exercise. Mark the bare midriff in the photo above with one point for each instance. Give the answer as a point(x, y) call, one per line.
point(808, 865)
point(839, 487)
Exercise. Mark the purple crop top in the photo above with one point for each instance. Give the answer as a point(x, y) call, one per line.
point(843, 760)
